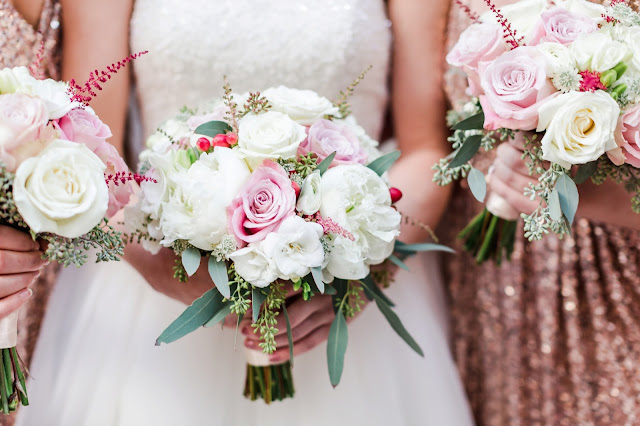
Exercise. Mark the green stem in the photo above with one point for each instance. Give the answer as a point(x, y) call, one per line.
point(488, 239)
point(3, 388)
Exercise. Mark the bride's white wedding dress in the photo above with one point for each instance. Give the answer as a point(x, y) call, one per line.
point(96, 363)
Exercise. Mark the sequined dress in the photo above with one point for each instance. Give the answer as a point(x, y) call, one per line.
point(20, 44)
point(553, 337)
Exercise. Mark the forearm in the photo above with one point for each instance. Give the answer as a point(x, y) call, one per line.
point(608, 203)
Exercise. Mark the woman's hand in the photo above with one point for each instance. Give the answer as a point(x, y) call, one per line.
point(20, 265)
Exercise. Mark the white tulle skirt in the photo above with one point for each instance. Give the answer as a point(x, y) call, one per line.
point(96, 363)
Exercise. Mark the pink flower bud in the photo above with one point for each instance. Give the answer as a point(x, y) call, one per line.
point(396, 195)
point(203, 144)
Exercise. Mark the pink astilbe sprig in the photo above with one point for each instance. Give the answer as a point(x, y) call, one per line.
point(510, 34)
point(124, 177)
point(331, 227)
point(591, 81)
point(35, 69)
point(471, 14)
point(85, 92)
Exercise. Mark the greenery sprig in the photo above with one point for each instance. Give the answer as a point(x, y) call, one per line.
point(268, 319)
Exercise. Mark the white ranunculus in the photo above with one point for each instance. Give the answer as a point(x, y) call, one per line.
point(303, 106)
point(176, 129)
point(62, 190)
point(55, 95)
point(295, 247)
point(583, 7)
point(522, 15)
point(358, 200)
point(254, 266)
point(559, 58)
point(271, 135)
point(579, 127)
point(599, 52)
point(631, 37)
point(310, 196)
point(16, 79)
point(196, 207)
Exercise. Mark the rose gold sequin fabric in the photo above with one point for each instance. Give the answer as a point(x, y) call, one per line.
point(19, 45)
point(552, 338)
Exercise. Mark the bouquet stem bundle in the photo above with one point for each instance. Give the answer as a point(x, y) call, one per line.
point(271, 382)
point(489, 237)
point(13, 389)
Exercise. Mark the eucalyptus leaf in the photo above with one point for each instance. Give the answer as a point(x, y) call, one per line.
point(317, 277)
point(219, 316)
point(569, 198)
point(329, 290)
point(477, 184)
point(399, 263)
point(416, 248)
point(585, 171)
point(220, 276)
point(372, 291)
point(397, 326)
point(191, 260)
point(555, 210)
point(337, 347)
point(340, 287)
point(384, 163)
point(289, 333)
point(258, 296)
point(196, 315)
point(475, 122)
point(466, 152)
point(324, 164)
point(213, 128)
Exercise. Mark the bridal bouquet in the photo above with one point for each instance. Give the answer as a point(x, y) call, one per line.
point(566, 76)
point(60, 181)
point(286, 190)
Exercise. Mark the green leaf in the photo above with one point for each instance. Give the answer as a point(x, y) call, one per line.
point(258, 296)
point(384, 163)
point(191, 260)
point(466, 152)
point(372, 291)
point(220, 276)
point(213, 128)
point(555, 211)
point(196, 315)
point(317, 277)
point(477, 184)
point(475, 122)
point(569, 198)
point(340, 286)
point(585, 171)
point(337, 347)
point(329, 290)
point(397, 326)
point(324, 165)
point(289, 333)
point(399, 263)
point(220, 315)
point(416, 248)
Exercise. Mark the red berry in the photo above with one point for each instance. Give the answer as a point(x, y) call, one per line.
point(221, 140)
point(295, 187)
point(396, 195)
point(203, 144)
point(232, 138)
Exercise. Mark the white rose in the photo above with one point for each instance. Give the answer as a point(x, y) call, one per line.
point(196, 208)
point(303, 106)
point(579, 127)
point(583, 7)
point(310, 196)
point(55, 95)
point(559, 58)
point(62, 190)
point(254, 266)
point(598, 52)
point(16, 79)
point(631, 37)
point(271, 135)
point(358, 200)
point(295, 247)
point(522, 15)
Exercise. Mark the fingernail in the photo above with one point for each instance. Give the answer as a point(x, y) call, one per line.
point(245, 330)
point(250, 344)
point(25, 294)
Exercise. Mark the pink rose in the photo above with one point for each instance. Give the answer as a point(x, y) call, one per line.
point(478, 43)
point(515, 85)
point(118, 194)
point(559, 25)
point(326, 137)
point(23, 124)
point(630, 130)
point(264, 201)
point(82, 126)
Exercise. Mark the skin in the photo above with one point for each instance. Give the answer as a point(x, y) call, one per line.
point(29, 10)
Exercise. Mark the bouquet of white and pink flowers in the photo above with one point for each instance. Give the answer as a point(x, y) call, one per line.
point(59, 180)
point(285, 190)
point(567, 75)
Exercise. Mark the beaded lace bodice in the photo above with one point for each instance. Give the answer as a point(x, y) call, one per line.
point(321, 45)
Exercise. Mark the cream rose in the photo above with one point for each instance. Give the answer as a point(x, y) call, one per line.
point(599, 52)
point(16, 79)
point(271, 135)
point(580, 127)
point(583, 7)
point(303, 106)
point(62, 190)
point(522, 15)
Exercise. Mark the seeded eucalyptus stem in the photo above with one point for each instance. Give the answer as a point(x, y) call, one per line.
point(489, 237)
